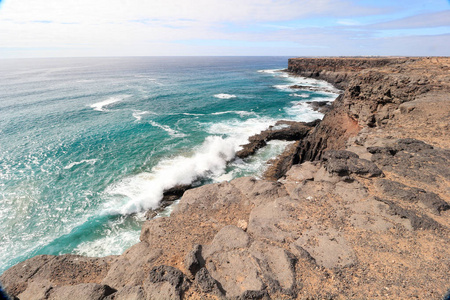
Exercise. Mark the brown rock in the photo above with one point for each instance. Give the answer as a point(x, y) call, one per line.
point(84, 291)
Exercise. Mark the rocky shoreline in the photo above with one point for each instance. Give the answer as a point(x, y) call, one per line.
point(356, 208)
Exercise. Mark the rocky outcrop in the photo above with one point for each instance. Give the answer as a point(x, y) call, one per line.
point(282, 130)
point(340, 71)
point(366, 215)
point(374, 90)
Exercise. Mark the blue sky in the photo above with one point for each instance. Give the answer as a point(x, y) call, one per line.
point(55, 28)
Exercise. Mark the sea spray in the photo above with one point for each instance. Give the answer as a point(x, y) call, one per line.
point(145, 190)
point(101, 106)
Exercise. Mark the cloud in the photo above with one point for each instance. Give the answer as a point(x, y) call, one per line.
point(428, 20)
point(114, 23)
point(166, 27)
point(201, 10)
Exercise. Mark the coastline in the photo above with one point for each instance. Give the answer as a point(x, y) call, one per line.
point(371, 220)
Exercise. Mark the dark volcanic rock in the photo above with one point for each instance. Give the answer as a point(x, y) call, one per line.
point(167, 274)
point(344, 163)
point(414, 160)
point(165, 282)
point(320, 106)
point(194, 260)
point(418, 221)
point(253, 295)
point(208, 284)
point(289, 131)
point(338, 71)
point(296, 86)
point(175, 192)
point(169, 196)
point(412, 194)
point(280, 165)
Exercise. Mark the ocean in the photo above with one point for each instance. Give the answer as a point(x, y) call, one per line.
point(87, 145)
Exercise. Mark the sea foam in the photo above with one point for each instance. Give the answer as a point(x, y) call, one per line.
point(87, 161)
point(170, 131)
point(137, 114)
point(100, 106)
point(145, 190)
point(225, 96)
point(301, 111)
point(241, 113)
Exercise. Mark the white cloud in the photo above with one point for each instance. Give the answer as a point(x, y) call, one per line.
point(88, 11)
point(119, 23)
point(435, 19)
point(165, 27)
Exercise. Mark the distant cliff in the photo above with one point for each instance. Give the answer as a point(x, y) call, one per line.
point(360, 209)
point(374, 88)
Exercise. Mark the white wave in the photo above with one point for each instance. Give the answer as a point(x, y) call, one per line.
point(299, 95)
point(311, 84)
point(256, 164)
point(224, 96)
point(167, 129)
point(308, 83)
point(99, 106)
point(195, 115)
point(238, 112)
point(275, 73)
point(270, 71)
point(87, 161)
point(239, 129)
point(284, 87)
point(302, 112)
point(137, 114)
point(112, 243)
point(145, 190)
point(330, 96)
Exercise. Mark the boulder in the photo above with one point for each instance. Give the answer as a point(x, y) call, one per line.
point(344, 163)
point(165, 282)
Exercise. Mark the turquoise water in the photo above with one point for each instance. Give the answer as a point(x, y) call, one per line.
point(88, 144)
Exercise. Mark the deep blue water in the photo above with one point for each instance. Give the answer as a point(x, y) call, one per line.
point(88, 144)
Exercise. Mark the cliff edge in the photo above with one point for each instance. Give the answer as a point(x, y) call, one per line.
point(362, 212)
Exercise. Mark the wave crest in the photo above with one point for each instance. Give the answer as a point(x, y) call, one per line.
point(100, 106)
point(225, 96)
point(145, 190)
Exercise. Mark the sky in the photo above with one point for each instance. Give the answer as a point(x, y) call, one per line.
point(79, 28)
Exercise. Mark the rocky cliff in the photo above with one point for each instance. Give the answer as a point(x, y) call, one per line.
point(374, 89)
point(365, 215)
